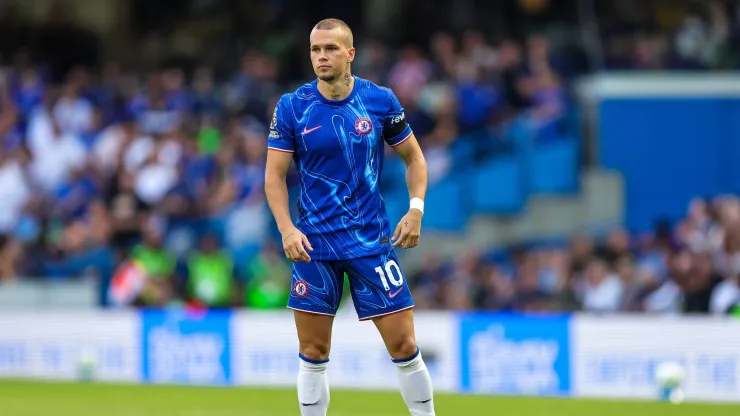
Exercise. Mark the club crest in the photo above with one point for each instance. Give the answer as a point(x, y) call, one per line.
point(301, 289)
point(363, 126)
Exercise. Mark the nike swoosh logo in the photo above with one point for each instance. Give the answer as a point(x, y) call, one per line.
point(393, 294)
point(310, 404)
point(424, 401)
point(306, 131)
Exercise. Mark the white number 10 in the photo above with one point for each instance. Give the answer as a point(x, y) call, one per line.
point(389, 269)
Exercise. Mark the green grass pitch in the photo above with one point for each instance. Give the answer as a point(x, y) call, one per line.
point(23, 398)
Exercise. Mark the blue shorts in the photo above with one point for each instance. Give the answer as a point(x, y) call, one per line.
point(377, 285)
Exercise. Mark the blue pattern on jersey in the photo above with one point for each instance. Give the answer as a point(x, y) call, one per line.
point(318, 286)
point(338, 150)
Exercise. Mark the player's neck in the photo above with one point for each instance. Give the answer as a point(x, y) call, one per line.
point(338, 89)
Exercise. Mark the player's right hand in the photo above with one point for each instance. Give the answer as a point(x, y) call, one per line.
point(295, 244)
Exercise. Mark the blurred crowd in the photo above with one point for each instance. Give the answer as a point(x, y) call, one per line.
point(692, 267)
point(670, 35)
point(152, 180)
point(165, 171)
point(106, 167)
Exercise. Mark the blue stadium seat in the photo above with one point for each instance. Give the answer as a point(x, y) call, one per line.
point(553, 167)
point(396, 204)
point(446, 208)
point(462, 152)
point(497, 187)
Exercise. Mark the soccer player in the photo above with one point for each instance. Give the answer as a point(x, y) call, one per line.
point(334, 129)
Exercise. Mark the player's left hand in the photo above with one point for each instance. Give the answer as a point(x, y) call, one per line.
point(408, 230)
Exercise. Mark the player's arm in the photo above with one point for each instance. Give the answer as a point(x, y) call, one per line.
point(408, 229)
point(280, 145)
point(416, 167)
point(276, 189)
point(398, 134)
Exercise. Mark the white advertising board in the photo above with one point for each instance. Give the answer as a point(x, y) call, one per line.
point(617, 356)
point(266, 351)
point(64, 345)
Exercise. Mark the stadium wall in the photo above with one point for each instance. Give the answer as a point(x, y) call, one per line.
point(671, 136)
point(568, 355)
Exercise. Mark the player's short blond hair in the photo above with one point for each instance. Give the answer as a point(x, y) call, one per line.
point(329, 24)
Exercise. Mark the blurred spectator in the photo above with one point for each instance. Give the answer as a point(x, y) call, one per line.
point(409, 74)
point(428, 281)
point(477, 99)
point(509, 63)
point(601, 290)
point(206, 102)
point(210, 275)
point(56, 154)
point(444, 52)
point(699, 283)
point(73, 113)
point(268, 280)
point(158, 174)
point(631, 287)
point(436, 153)
point(15, 190)
point(27, 93)
point(158, 264)
point(10, 254)
point(702, 34)
point(528, 294)
point(477, 50)
point(666, 298)
point(726, 294)
point(372, 61)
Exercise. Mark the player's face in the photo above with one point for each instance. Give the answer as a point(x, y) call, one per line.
point(330, 53)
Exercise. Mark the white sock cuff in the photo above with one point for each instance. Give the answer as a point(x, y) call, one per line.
point(410, 362)
point(316, 366)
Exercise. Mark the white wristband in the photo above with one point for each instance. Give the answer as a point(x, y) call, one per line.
point(417, 203)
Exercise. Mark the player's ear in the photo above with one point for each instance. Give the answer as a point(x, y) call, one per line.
point(351, 55)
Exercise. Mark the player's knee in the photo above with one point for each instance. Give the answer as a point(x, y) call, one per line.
point(315, 350)
point(404, 348)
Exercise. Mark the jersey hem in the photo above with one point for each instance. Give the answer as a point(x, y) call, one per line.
point(280, 150)
point(382, 250)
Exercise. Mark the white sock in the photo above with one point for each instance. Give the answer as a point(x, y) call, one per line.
point(416, 385)
point(313, 387)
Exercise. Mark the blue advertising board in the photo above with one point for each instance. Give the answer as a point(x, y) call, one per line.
point(509, 354)
point(183, 347)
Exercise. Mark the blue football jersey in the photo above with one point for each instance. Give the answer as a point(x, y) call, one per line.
point(337, 146)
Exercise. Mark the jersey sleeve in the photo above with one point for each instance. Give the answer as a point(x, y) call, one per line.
point(395, 128)
point(281, 127)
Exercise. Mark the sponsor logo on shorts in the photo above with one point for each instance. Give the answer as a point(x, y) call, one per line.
point(363, 126)
point(301, 289)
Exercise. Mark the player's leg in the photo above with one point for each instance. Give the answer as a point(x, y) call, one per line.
point(397, 331)
point(314, 339)
point(380, 293)
point(315, 297)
